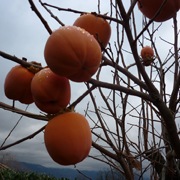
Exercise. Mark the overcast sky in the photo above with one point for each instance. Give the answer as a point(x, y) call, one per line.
point(23, 35)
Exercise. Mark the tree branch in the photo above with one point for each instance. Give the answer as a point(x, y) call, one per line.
point(173, 98)
point(33, 7)
point(82, 96)
point(157, 100)
point(23, 139)
point(19, 61)
point(52, 15)
point(125, 72)
point(151, 20)
point(120, 88)
point(19, 111)
point(108, 153)
point(131, 7)
point(81, 12)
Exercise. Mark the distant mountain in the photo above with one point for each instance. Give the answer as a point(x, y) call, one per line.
point(65, 173)
point(60, 172)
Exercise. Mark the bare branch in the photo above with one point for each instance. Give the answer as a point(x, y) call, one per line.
point(52, 15)
point(25, 113)
point(120, 88)
point(81, 12)
point(132, 7)
point(23, 139)
point(126, 72)
point(33, 7)
point(19, 61)
point(151, 20)
point(13, 129)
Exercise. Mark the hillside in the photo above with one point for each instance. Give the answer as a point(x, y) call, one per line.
point(66, 173)
point(59, 172)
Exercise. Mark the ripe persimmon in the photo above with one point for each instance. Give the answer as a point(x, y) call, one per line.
point(72, 52)
point(68, 138)
point(17, 85)
point(150, 7)
point(97, 26)
point(147, 54)
point(50, 92)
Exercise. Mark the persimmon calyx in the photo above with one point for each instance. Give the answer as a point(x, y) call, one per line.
point(62, 111)
point(65, 110)
point(34, 69)
point(84, 13)
point(94, 13)
point(148, 60)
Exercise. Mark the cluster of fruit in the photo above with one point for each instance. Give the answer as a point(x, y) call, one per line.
point(71, 53)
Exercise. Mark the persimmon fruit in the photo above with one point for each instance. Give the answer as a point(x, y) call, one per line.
point(68, 138)
point(147, 54)
point(97, 26)
point(150, 7)
point(72, 52)
point(50, 92)
point(17, 85)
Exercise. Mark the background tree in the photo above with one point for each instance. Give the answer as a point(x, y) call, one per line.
point(11, 162)
point(128, 93)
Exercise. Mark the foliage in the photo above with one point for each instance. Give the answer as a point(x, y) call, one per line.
point(14, 175)
point(10, 160)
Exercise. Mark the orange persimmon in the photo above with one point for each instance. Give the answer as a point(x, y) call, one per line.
point(72, 52)
point(17, 85)
point(50, 92)
point(147, 54)
point(150, 7)
point(68, 138)
point(97, 26)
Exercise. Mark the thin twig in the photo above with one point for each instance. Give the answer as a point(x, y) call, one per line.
point(52, 15)
point(12, 129)
point(82, 97)
point(23, 139)
point(132, 7)
point(151, 20)
point(33, 7)
point(25, 113)
point(83, 174)
point(120, 88)
point(81, 12)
